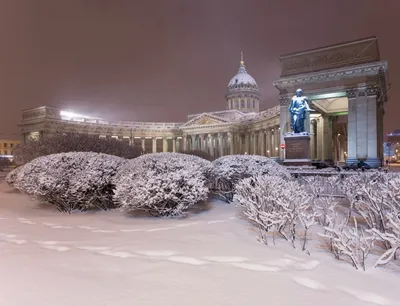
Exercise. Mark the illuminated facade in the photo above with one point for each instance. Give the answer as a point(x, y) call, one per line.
point(7, 145)
point(346, 86)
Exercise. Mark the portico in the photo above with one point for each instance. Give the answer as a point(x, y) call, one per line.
point(346, 86)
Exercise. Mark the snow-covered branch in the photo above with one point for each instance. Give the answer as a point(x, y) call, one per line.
point(228, 170)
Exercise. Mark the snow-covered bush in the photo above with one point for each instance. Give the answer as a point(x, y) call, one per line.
point(323, 199)
point(199, 153)
point(12, 175)
point(375, 196)
point(163, 184)
point(70, 181)
point(351, 241)
point(274, 204)
point(228, 170)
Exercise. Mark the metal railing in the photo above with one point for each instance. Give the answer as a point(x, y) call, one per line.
point(328, 182)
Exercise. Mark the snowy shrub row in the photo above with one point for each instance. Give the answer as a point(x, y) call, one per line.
point(164, 184)
point(370, 219)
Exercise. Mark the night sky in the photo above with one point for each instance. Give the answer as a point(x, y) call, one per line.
point(159, 60)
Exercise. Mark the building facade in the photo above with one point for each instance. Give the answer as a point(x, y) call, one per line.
point(346, 86)
point(7, 144)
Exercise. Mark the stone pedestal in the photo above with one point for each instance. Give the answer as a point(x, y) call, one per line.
point(297, 150)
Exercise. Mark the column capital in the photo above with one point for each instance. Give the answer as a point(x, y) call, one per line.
point(373, 91)
point(284, 101)
point(351, 93)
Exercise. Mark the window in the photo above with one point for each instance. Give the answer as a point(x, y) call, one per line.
point(5, 145)
point(11, 145)
point(5, 152)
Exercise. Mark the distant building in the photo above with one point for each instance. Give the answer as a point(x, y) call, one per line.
point(7, 144)
point(393, 151)
point(346, 85)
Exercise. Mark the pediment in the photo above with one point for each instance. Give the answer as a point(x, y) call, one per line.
point(205, 119)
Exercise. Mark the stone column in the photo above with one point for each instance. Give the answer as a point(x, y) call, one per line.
point(199, 142)
point(211, 144)
point(143, 144)
point(362, 126)
point(284, 121)
point(324, 138)
point(246, 143)
point(173, 144)
point(231, 145)
point(277, 142)
point(165, 144)
point(254, 137)
point(261, 139)
point(352, 127)
point(184, 143)
point(312, 139)
point(373, 158)
point(268, 143)
point(273, 144)
point(154, 143)
point(221, 144)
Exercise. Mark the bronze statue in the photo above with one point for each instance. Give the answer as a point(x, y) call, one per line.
point(298, 110)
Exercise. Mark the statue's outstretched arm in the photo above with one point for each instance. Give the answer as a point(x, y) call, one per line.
point(307, 105)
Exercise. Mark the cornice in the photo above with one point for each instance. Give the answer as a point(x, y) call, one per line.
point(331, 75)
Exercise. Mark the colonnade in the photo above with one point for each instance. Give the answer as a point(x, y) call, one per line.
point(258, 142)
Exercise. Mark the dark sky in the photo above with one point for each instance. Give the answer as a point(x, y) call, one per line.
point(159, 60)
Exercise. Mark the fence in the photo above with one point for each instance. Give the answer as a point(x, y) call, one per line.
point(328, 181)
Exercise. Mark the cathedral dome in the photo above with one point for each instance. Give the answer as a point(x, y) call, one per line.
point(243, 93)
point(242, 78)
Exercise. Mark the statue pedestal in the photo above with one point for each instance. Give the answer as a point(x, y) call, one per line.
point(297, 149)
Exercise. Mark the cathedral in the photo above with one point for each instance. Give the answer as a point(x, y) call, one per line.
point(346, 88)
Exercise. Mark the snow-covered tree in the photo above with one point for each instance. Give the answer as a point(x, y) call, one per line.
point(274, 204)
point(163, 184)
point(73, 142)
point(70, 181)
point(228, 170)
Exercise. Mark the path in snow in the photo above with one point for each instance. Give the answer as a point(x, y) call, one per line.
point(213, 258)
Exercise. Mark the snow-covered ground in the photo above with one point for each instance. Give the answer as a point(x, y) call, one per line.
point(210, 258)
